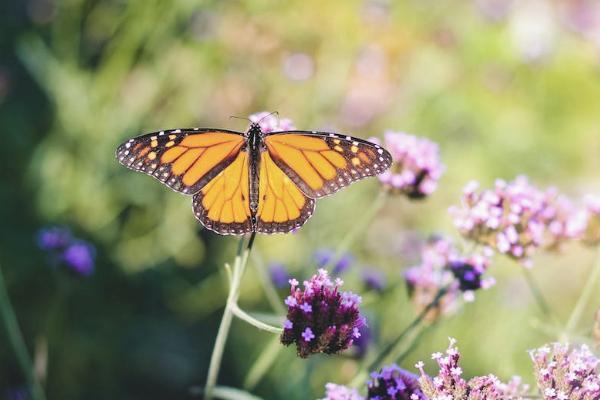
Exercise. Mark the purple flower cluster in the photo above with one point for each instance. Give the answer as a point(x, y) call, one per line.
point(563, 220)
point(270, 122)
point(340, 392)
point(509, 218)
point(78, 255)
point(565, 373)
point(449, 384)
point(394, 383)
point(516, 218)
point(320, 318)
point(416, 169)
point(442, 267)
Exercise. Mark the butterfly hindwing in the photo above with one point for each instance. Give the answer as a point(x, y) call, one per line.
point(282, 207)
point(321, 163)
point(183, 159)
point(223, 204)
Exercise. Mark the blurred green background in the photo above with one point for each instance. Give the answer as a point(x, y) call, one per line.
point(504, 87)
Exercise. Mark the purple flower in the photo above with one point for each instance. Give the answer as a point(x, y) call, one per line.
point(449, 383)
point(270, 122)
point(443, 267)
point(79, 256)
point(325, 256)
point(279, 275)
point(339, 392)
point(416, 169)
point(565, 373)
point(373, 279)
point(516, 218)
point(563, 220)
point(320, 318)
point(509, 218)
point(52, 238)
point(394, 383)
point(363, 341)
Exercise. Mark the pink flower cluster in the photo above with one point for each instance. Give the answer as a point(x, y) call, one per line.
point(443, 267)
point(449, 384)
point(516, 218)
point(565, 373)
point(270, 122)
point(416, 168)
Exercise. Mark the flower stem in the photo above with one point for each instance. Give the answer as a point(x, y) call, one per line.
point(359, 227)
point(262, 364)
point(391, 347)
point(586, 293)
point(243, 315)
point(239, 265)
point(17, 342)
point(536, 292)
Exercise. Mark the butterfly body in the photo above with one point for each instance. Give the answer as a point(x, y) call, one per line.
point(253, 181)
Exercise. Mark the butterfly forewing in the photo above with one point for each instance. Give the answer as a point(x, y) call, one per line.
point(183, 159)
point(321, 163)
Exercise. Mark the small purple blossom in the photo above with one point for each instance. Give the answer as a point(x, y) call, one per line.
point(449, 383)
point(363, 341)
point(321, 318)
point(308, 334)
point(563, 372)
point(79, 256)
point(325, 256)
point(279, 275)
point(53, 238)
point(340, 392)
point(416, 169)
point(373, 279)
point(394, 383)
point(270, 122)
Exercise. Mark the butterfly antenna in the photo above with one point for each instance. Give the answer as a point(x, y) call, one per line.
point(268, 115)
point(244, 118)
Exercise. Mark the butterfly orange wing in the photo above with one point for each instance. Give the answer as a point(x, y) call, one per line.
point(322, 163)
point(183, 159)
point(282, 207)
point(223, 204)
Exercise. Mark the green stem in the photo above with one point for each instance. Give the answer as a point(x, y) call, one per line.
point(393, 345)
point(15, 336)
point(536, 292)
point(414, 343)
point(241, 259)
point(396, 342)
point(586, 294)
point(262, 364)
point(243, 315)
point(270, 291)
point(357, 229)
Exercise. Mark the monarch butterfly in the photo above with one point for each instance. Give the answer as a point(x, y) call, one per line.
point(253, 181)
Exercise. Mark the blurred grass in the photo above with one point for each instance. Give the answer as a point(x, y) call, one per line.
point(78, 77)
